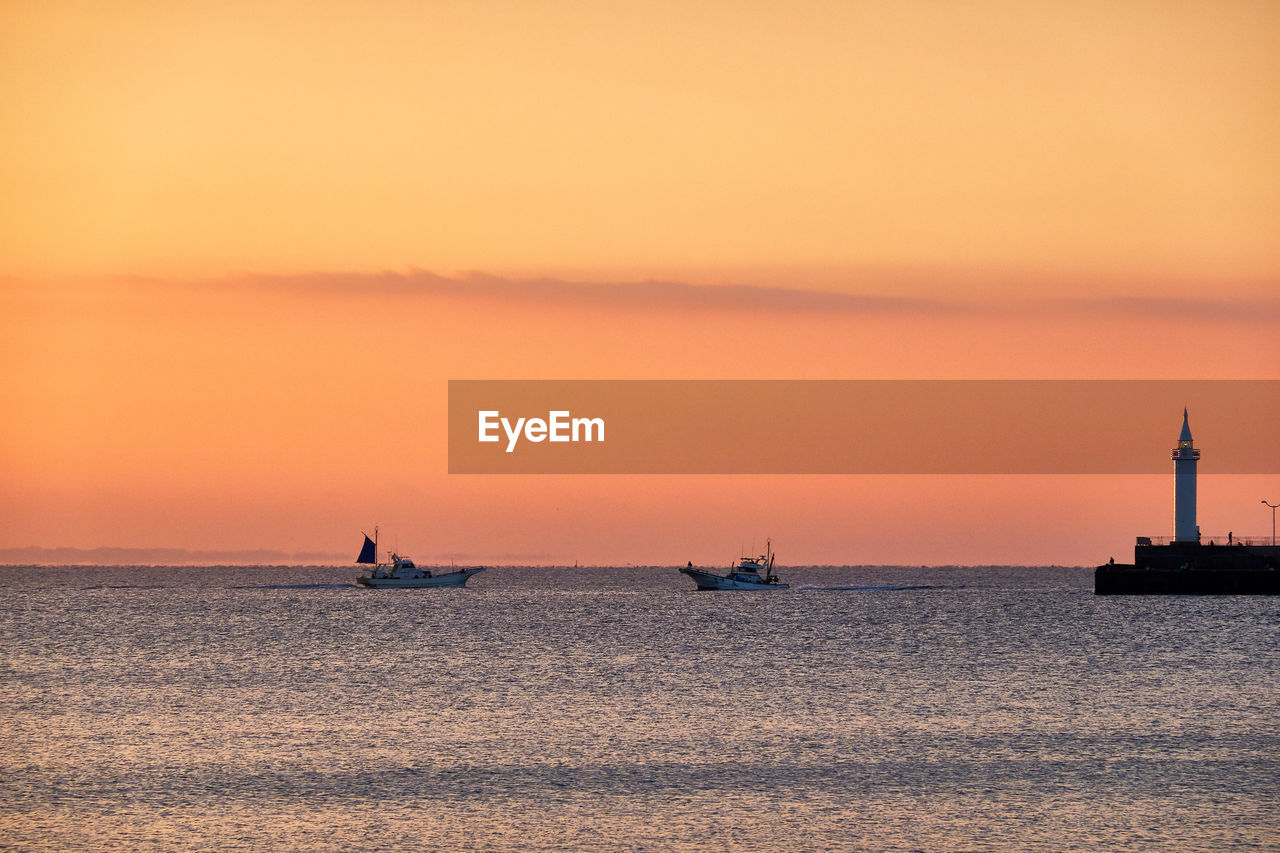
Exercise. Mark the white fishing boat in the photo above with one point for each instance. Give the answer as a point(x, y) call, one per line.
point(401, 573)
point(749, 573)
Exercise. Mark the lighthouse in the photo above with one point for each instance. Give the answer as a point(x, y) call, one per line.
point(1185, 457)
point(1184, 566)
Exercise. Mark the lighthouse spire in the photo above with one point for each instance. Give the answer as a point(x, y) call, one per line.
point(1185, 457)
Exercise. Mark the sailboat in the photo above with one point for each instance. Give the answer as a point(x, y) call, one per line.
point(401, 573)
point(745, 575)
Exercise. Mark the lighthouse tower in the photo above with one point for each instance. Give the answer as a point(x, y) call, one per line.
point(1185, 457)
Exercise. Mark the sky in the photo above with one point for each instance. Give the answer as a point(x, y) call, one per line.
point(244, 247)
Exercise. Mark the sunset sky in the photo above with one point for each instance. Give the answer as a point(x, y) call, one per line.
point(244, 247)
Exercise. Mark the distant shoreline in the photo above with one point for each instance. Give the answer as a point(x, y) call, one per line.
point(165, 557)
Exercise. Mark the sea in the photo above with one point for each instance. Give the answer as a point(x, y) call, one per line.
point(617, 709)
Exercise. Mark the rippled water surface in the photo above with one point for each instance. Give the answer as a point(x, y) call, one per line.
point(617, 709)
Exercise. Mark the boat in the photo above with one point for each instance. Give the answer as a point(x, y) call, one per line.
point(749, 573)
point(401, 573)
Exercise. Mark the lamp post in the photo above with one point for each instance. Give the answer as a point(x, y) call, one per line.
point(1273, 522)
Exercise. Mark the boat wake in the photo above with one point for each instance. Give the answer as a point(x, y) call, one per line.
point(334, 585)
point(128, 586)
point(885, 588)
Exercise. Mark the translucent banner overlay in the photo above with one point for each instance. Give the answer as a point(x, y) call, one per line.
point(859, 426)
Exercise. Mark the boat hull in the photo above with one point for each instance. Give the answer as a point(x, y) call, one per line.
point(453, 579)
point(706, 580)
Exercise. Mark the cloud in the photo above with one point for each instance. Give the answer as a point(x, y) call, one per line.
point(650, 293)
point(686, 297)
point(1217, 310)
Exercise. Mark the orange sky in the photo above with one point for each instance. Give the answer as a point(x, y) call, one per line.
point(198, 348)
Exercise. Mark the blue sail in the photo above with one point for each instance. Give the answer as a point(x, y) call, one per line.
point(369, 553)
